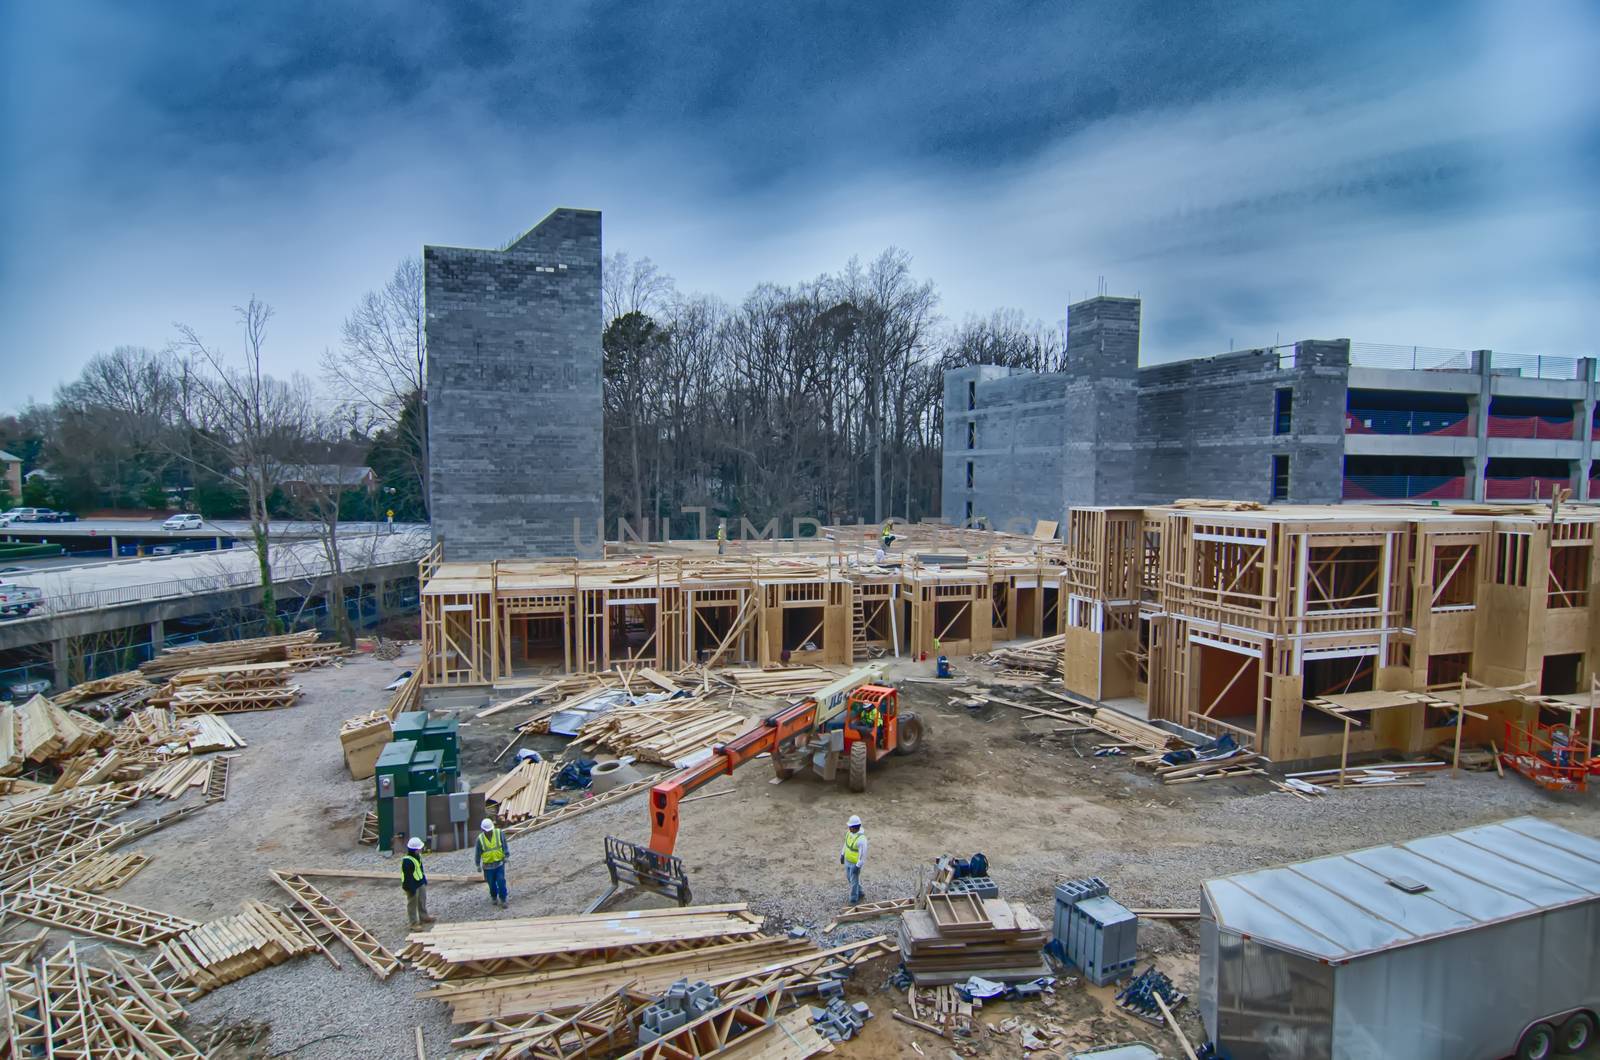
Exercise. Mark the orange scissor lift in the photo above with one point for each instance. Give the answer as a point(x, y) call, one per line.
point(1558, 756)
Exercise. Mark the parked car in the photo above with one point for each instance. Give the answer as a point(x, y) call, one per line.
point(27, 515)
point(19, 600)
point(187, 521)
point(13, 570)
point(66, 517)
point(168, 549)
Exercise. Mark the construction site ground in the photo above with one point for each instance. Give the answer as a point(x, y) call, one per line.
point(1041, 808)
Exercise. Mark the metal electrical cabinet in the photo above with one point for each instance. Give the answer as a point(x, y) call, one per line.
point(423, 760)
point(1450, 947)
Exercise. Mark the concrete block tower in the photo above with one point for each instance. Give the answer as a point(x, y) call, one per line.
point(515, 418)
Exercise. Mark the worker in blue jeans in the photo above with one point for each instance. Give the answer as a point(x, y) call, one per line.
point(853, 856)
point(490, 855)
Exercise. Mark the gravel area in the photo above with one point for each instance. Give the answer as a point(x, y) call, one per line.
point(983, 783)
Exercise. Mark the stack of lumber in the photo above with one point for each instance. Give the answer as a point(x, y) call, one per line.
point(583, 702)
point(1241, 763)
point(221, 951)
point(11, 757)
point(315, 654)
point(531, 944)
point(117, 705)
point(211, 733)
point(230, 652)
point(230, 678)
point(49, 732)
point(563, 989)
point(104, 686)
point(69, 1006)
point(102, 872)
point(1036, 656)
point(175, 778)
point(145, 731)
point(667, 732)
point(521, 793)
point(956, 936)
point(200, 700)
point(1207, 505)
point(789, 682)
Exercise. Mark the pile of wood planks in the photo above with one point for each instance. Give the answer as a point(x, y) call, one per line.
point(1041, 656)
point(667, 732)
point(211, 733)
point(521, 793)
point(789, 682)
point(956, 936)
point(535, 944)
point(11, 757)
point(221, 951)
point(175, 778)
point(101, 687)
point(223, 653)
point(102, 872)
point(1239, 764)
point(49, 732)
point(92, 914)
point(193, 700)
point(69, 1006)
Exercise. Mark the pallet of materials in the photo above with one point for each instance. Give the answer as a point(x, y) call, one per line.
point(521, 793)
point(667, 732)
point(362, 739)
point(791, 682)
point(228, 652)
point(49, 732)
point(221, 951)
point(523, 944)
point(1036, 656)
point(956, 936)
point(188, 701)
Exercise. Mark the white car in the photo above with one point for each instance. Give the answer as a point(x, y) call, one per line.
point(182, 522)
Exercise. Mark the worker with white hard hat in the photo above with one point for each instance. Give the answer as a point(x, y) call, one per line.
point(853, 856)
point(490, 855)
point(414, 881)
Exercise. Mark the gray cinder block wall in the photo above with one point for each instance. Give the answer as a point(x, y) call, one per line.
point(515, 420)
point(1114, 433)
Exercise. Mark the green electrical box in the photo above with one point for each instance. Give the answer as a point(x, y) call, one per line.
point(393, 779)
point(428, 773)
point(442, 735)
point(409, 726)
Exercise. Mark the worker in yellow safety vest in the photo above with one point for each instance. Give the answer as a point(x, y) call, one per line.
point(414, 881)
point(853, 856)
point(888, 533)
point(866, 718)
point(722, 537)
point(490, 855)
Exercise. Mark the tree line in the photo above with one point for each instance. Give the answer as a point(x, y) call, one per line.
point(820, 399)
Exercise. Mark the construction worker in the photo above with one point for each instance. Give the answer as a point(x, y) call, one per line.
point(866, 719)
point(490, 855)
point(888, 533)
point(722, 536)
point(414, 880)
point(853, 856)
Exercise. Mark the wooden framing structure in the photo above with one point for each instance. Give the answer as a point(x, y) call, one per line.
point(815, 601)
point(1234, 618)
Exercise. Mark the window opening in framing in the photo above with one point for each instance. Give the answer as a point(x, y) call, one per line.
point(1280, 477)
point(1569, 576)
point(1455, 576)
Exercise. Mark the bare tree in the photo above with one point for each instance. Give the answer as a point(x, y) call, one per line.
point(382, 362)
point(247, 427)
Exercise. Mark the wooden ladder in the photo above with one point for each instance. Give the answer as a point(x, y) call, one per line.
point(858, 630)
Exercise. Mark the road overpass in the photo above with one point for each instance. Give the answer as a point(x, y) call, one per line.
point(130, 537)
point(128, 604)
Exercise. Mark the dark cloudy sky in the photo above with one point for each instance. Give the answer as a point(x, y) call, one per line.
point(1413, 172)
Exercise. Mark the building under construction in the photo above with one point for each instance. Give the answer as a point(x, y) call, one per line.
point(671, 605)
point(1279, 625)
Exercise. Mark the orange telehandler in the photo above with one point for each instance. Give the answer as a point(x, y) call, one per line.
point(854, 720)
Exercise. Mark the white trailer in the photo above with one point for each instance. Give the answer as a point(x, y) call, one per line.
point(1476, 945)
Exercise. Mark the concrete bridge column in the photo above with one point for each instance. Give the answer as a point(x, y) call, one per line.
point(158, 636)
point(58, 663)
